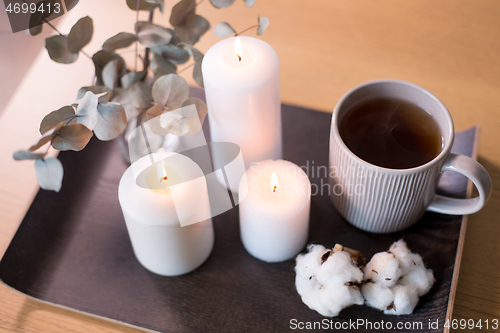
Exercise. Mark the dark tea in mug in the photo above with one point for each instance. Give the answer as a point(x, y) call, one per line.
point(391, 133)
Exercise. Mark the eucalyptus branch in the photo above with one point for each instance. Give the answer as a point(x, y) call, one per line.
point(60, 34)
point(145, 61)
point(136, 32)
point(59, 128)
point(239, 33)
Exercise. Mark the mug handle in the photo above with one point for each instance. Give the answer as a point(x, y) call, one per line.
point(471, 169)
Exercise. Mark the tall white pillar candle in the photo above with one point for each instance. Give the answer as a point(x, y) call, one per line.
point(274, 211)
point(160, 243)
point(242, 87)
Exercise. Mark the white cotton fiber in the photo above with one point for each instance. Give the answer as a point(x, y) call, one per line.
point(376, 296)
point(398, 274)
point(330, 285)
point(405, 300)
point(383, 269)
point(406, 258)
point(419, 277)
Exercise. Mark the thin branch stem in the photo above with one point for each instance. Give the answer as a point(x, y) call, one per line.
point(60, 34)
point(145, 61)
point(239, 33)
point(47, 151)
point(136, 32)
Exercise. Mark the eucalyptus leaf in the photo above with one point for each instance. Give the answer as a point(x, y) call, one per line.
point(49, 173)
point(263, 24)
point(221, 3)
point(27, 155)
point(70, 4)
point(111, 72)
point(35, 28)
point(140, 95)
point(198, 58)
point(58, 117)
point(80, 34)
point(144, 5)
point(73, 137)
point(193, 120)
point(151, 35)
point(173, 121)
point(112, 121)
point(153, 116)
point(87, 111)
point(155, 111)
point(161, 66)
point(193, 28)
point(57, 46)
point(122, 97)
point(41, 142)
point(171, 91)
point(63, 115)
point(181, 11)
point(187, 119)
point(47, 136)
point(101, 59)
point(197, 74)
point(249, 3)
point(130, 78)
point(193, 52)
point(37, 18)
point(174, 54)
point(118, 41)
point(96, 90)
point(223, 29)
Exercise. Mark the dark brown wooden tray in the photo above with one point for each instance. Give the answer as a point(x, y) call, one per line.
point(72, 249)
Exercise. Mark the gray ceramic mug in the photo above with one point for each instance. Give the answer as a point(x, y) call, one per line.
point(384, 200)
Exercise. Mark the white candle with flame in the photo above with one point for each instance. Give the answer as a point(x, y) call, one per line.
point(274, 211)
point(242, 87)
point(151, 193)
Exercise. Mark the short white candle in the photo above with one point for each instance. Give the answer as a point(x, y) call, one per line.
point(274, 210)
point(242, 87)
point(160, 243)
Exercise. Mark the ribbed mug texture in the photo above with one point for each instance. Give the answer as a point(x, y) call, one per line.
point(377, 199)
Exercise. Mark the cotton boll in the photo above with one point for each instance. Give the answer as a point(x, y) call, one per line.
point(405, 300)
point(338, 297)
point(419, 277)
point(314, 302)
point(308, 263)
point(376, 296)
point(406, 258)
point(383, 269)
point(339, 269)
point(414, 280)
point(327, 281)
point(306, 285)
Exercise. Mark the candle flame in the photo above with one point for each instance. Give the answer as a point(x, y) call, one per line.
point(238, 50)
point(274, 181)
point(162, 173)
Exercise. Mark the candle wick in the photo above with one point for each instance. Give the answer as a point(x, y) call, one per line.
point(274, 189)
point(164, 178)
point(239, 58)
